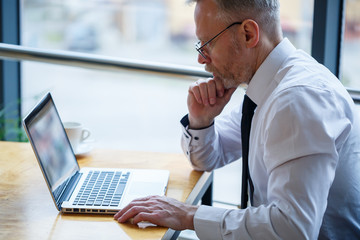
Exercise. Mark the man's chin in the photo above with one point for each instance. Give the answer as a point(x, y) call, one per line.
point(230, 84)
point(226, 83)
point(211, 70)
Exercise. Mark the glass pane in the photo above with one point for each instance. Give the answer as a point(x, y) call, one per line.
point(126, 110)
point(123, 110)
point(350, 64)
point(297, 22)
point(154, 30)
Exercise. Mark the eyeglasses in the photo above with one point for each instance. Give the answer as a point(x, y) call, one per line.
point(199, 47)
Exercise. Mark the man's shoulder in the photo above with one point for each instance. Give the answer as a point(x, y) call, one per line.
point(301, 71)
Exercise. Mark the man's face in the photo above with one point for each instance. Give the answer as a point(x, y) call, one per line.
point(224, 58)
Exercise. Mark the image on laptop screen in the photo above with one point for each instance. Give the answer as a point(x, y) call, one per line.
point(52, 146)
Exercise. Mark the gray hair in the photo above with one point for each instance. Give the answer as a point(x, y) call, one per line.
point(265, 12)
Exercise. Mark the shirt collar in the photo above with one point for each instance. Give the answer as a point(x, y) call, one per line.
point(263, 81)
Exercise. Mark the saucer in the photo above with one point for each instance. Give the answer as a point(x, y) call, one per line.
point(83, 149)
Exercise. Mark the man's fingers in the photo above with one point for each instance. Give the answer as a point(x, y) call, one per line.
point(194, 90)
point(206, 91)
point(203, 87)
point(139, 210)
point(134, 203)
point(212, 91)
point(152, 217)
point(131, 213)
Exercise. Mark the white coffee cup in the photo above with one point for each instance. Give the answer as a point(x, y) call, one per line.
point(76, 133)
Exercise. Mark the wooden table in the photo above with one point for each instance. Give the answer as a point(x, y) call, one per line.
point(27, 210)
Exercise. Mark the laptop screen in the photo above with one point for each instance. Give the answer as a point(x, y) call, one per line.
point(50, 143)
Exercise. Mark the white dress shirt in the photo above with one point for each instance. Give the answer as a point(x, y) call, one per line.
point(304, 157)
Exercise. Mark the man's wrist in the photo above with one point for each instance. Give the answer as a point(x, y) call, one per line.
point(197, 124)
point(190, 217)
point(186, 124)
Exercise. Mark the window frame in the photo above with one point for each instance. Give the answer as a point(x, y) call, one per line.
point(10, 82)
point(328, 33)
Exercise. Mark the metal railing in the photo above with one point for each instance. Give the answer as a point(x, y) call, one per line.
point(355, 94)
point(86, 60)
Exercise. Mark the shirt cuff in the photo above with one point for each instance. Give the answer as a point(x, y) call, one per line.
point(196, 137)
point(185, 122)
point(208, 222)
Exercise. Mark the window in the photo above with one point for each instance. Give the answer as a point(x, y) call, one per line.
point(152, 30)
point(123, 109)
point(126, 110)
point(134, 110)
point(350, 64)
point(296, 21)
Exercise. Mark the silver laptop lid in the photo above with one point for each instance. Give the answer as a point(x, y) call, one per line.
point(51, 146)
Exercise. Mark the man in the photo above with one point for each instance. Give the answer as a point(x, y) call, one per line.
point(304, 156)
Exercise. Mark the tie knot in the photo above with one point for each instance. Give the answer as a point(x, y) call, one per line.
point(248, 105)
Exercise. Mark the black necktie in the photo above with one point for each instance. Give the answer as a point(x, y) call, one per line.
point(247, 114)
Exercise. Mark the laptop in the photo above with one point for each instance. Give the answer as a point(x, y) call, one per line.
point(85, 190)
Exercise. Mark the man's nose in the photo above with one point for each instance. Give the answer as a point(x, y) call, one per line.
point(203, 60)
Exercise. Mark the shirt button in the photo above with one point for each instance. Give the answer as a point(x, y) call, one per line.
point(196, 138)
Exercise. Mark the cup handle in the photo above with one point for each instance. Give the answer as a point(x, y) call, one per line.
point(85, 134)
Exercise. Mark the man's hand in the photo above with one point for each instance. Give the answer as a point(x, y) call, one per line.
point(206, 100)
point(162, 211)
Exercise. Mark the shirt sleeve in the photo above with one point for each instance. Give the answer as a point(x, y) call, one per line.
point(213, 223)
point(214, 146)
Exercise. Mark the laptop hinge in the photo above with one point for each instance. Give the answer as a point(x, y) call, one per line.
point(69, 189)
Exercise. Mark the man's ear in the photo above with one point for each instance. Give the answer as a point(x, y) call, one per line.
point(252, 33)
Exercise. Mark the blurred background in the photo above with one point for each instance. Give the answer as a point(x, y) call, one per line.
point(153, 30)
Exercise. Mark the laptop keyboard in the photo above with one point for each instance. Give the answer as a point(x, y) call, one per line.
point(102, 188)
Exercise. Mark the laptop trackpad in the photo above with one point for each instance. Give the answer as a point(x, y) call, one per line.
point(143, 189)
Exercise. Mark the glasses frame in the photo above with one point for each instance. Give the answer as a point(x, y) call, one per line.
point(200, 48)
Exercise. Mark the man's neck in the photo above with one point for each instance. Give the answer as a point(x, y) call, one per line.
point(265, 47)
